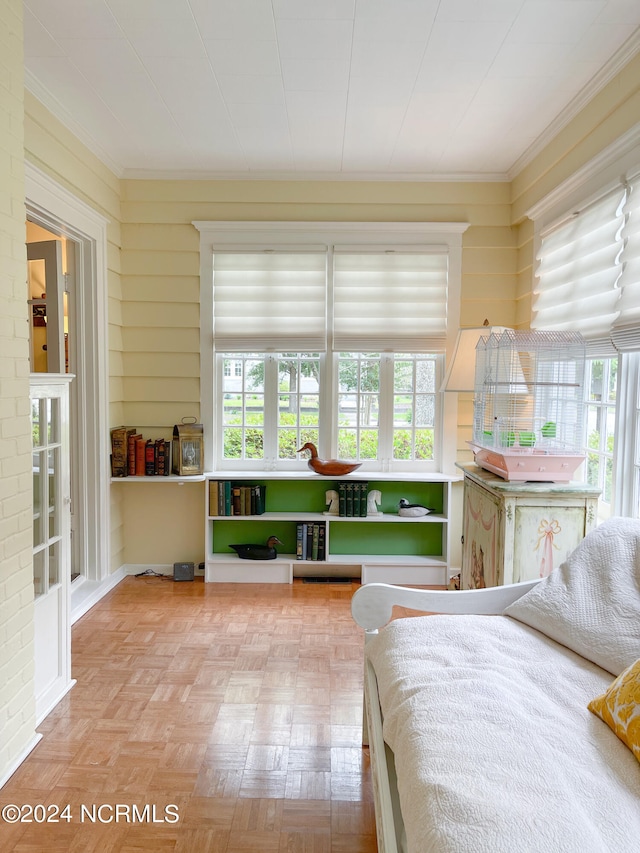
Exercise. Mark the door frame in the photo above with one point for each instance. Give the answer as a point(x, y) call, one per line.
point(56, 209)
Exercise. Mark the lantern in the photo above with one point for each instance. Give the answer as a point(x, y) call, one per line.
point(188, 448)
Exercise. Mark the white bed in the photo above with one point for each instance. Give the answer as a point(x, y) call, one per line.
point(486, 715)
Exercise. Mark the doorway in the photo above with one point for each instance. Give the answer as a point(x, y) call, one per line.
point(66, 247)
point(51, 281)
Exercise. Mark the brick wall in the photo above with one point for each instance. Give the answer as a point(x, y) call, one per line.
point(17, 710)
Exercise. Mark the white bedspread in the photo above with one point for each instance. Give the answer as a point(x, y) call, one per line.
point(495, 749)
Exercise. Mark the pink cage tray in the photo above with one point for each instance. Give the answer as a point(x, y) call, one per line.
point(527, 464)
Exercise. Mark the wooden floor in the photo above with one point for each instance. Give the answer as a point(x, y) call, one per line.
point(240, 705)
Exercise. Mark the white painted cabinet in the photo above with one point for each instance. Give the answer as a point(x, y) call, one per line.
point(517, 531)
point(377, 548)
point(51, 538)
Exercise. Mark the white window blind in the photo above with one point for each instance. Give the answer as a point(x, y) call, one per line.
point(269, 300)
point(626, 329)
point(391, 300)
point(579, 267)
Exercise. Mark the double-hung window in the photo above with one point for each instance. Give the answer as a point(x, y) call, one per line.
point(588, 280)
point(339, 342)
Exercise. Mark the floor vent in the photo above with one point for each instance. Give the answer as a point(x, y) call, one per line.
point(326, 580)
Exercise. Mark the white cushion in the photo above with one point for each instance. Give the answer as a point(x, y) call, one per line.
point(591, 602)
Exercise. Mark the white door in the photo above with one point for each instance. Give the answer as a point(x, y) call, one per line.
point(51, 539)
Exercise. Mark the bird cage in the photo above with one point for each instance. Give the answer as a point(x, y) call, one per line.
point(528, 406)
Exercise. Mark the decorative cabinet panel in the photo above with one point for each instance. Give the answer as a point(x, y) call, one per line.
point(515, 531)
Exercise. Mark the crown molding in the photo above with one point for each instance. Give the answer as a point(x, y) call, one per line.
point(42, 94)
point(608, 168)
point(608, 71)
point(344, 177)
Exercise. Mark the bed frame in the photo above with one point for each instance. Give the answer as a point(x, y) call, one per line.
point(371, 607)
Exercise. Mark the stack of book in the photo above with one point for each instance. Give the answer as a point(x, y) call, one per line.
point(227, 498)
point(352, 499)
point(134, 456)
point(311, 541)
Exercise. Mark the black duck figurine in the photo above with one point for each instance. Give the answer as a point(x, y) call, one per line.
point(412, 510)
point(258, 552)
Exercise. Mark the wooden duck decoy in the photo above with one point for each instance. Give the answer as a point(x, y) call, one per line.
point(328, 467)
point(258, 552)
point(412, 510)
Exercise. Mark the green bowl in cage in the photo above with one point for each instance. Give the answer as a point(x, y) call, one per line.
point(526, 439)
point(549, 429)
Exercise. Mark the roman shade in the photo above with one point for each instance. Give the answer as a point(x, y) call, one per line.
point(270, 300)
point(390, 300)
point(626, 329)
point(579, 264)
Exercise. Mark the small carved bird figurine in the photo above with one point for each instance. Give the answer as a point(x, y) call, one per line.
point(328, 467)
point(412, 510)
point(258, 552)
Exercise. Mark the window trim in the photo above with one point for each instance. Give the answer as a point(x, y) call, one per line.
point(241, 235)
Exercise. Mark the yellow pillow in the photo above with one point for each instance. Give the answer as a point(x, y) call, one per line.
point(619, 707)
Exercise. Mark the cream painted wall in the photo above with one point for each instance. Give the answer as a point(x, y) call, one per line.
point(17, 706)
point(160, 298)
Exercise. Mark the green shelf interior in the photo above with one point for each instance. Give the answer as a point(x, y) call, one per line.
point(253, 530)
point(309, 495)
point(345, 537)
point(376, 537)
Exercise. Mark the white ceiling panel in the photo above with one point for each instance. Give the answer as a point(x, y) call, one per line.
point(304, 88)
point(315, 75)
point(314, 39)
point(305, 9)
point(234, 19)
point(243, 56)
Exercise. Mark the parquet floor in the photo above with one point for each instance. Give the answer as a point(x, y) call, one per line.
point(232, 712)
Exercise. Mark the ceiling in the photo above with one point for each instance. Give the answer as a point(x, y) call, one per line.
point(326, 89)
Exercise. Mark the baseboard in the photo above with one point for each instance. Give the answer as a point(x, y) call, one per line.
point(141, 568)
point(88, 593)
point(157, 568)
point(18, 761)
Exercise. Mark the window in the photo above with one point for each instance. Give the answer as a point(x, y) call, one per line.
point(321, 337)
point(589, 281)
point(601, 385)
point(271, 405)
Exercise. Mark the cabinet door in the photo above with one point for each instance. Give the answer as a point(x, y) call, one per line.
point(544, 538)
point(51, 541)
point(482, 541)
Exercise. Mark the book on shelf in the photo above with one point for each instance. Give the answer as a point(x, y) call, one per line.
point(120, 451)
point(133, 455)
point(140, 456)
point(352, 499)
point(322, 542)
point(149, 458)
point(232, 499)
point(213, 498)
point(160, 457)
point(131, 452)
point(311, 540)
point(300, 545)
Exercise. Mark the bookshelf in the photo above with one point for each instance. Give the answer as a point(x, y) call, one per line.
point(385, 548)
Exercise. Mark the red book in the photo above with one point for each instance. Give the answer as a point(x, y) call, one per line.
point(131, 453)
point(140, 453)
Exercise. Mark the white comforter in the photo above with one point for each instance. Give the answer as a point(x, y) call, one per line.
point(495, 749)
